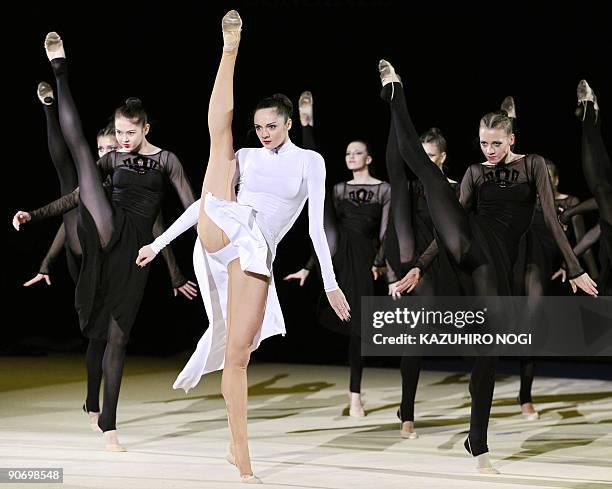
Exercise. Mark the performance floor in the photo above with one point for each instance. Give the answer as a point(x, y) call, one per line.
point(300, 432)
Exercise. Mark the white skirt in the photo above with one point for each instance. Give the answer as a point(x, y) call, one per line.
point(248, 244)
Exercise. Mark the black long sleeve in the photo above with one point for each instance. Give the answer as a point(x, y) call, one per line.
point(547, 201)
point(56, 208)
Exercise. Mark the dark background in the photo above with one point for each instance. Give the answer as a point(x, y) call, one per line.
point(457, 63)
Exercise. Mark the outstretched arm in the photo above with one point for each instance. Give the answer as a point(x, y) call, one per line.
point(176, 277)
point(315, 180)
point(188, 219)
point(577, 276)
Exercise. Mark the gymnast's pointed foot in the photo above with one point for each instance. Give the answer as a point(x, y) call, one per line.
point(389, 79)
point(45, 93)
point(231, 26)
point(483, 461)
point(387, 73)
point(529, 412)
point(305, 106)
point(407, 431)
point(93, 419)
point(111, 442)
point(355, 406)
point(54, 46)
point(585, 94)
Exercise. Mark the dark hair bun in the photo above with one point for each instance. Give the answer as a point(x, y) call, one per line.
point(133, 110)
point(434, 131)
point(278, 101)
point(283, 99)
point(133, 101)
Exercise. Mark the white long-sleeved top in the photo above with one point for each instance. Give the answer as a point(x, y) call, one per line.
point(276, 184)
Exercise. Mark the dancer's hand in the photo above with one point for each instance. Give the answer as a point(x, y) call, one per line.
point(584, 282)
point(393, 292)
point(410, 281)
point(38, 278)
point(189, 289)
point(145, 256)
point(302, 275)
point(339, 304)
point(378, 271)
point(563, 219)
point(560, 273)
point(21, 217)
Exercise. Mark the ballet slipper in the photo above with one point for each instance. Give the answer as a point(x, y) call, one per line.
point(355, 406)
point(585, 94)
point(305, 105)
point(231, 26)
point(509, 106)
point(529, 412)
point(483, 461)
point(250, 479)
point(45, 93)
point(54, 46)
point(407, 430)
point(111, 442)
point(387, 73)
point(93, 419)
point(484, 465)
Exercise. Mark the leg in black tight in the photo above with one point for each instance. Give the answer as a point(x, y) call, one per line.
point(535, 286)
point(410, 368)
point(66, 173)
point(112, 366)
point(93, 361)
point(449, 218)
point(355, 363)
point(308, 141)
point(92, 193)
point(527, 374)
point(596, 164)
point(482, 384)
point(401, 211)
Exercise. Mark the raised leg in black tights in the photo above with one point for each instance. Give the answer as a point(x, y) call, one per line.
point(596, 164)
point(66, 172)
point(452, 224)
point(92, 194)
